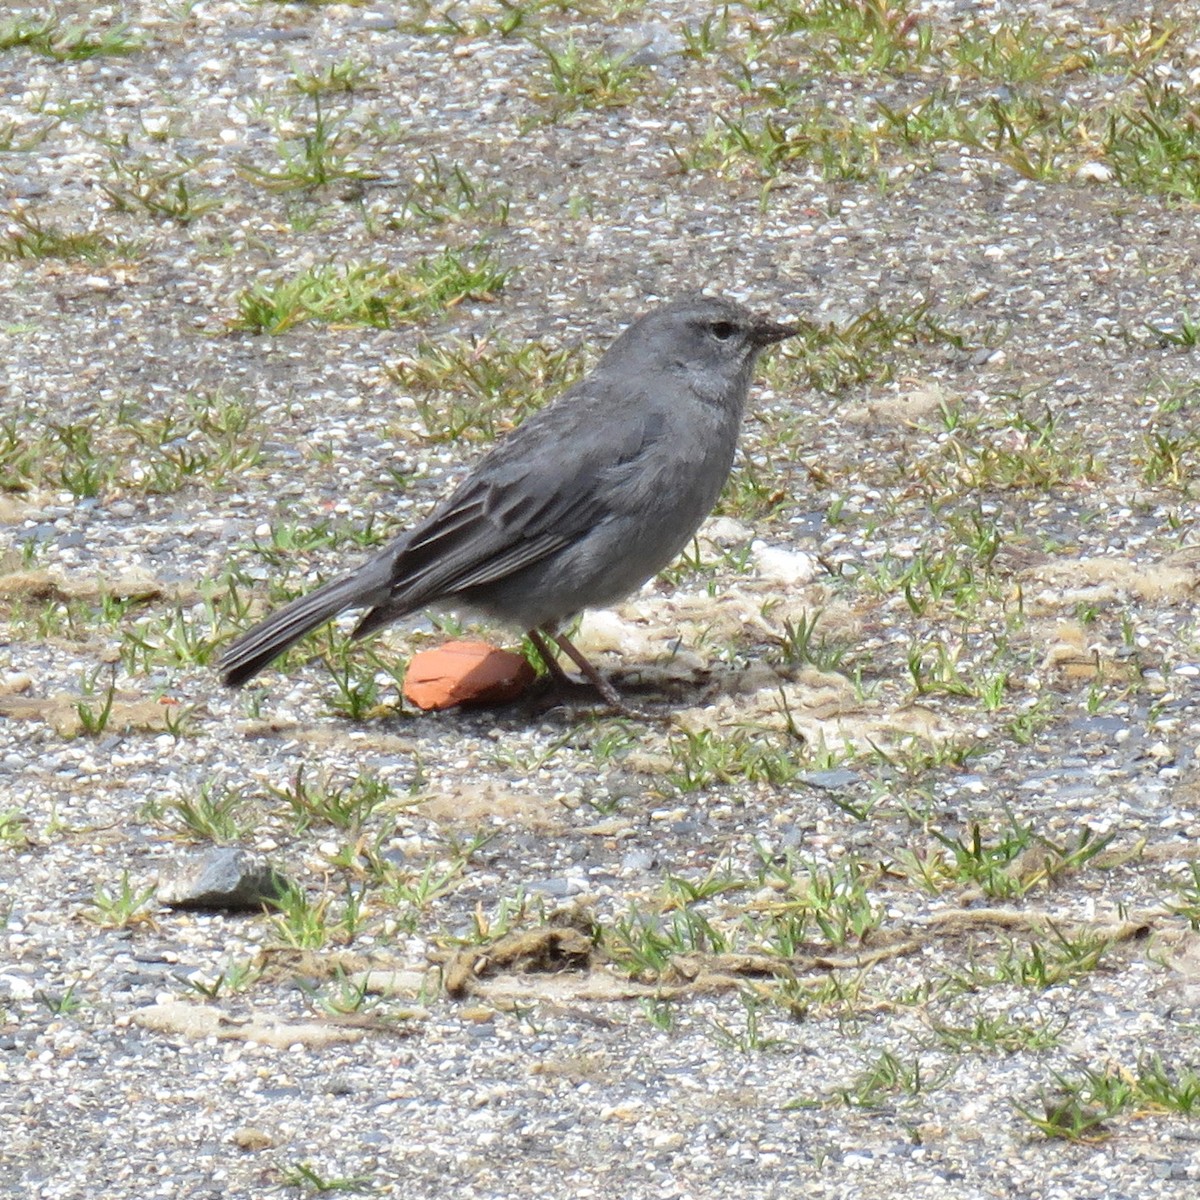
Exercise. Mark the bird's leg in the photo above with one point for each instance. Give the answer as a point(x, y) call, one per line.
point(608, 693)
point(559, 676)
point(602, 685)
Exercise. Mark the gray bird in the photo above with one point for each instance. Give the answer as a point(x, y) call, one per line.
point(576, 508)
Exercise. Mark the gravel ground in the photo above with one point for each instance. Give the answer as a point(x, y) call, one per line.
point(895, 894)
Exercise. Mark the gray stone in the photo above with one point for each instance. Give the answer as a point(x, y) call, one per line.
point(840, 777)
point(225, 879)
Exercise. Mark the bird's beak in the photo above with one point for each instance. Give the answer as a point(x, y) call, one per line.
point(765, 333)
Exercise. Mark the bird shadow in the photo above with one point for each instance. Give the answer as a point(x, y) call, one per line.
point(645, 696)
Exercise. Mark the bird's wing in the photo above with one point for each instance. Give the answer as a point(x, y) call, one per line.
point(533, 494)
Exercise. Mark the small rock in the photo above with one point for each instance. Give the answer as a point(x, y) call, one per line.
point(248, 1137)
point(478, 1015)
point(832, 781)
point(227, 879)
point(725, 531)
point(13, 682)
point(560, 887)
point(792, 567)
point(639, 860)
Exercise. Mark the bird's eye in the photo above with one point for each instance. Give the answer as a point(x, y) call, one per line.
point(722, 330)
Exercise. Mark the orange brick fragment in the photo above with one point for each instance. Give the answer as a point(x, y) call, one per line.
point(466, 673)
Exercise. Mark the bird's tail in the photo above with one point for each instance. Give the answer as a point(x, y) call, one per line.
point(244, 658)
